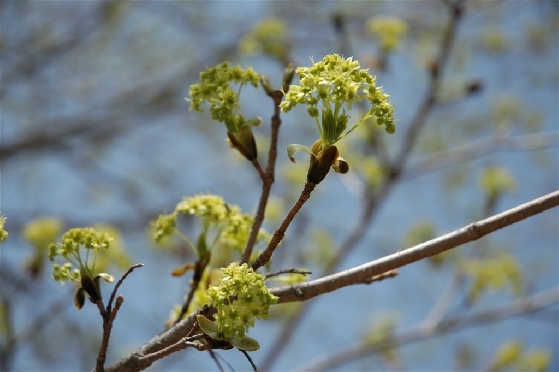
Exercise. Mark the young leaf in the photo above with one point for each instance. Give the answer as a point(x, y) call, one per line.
point(207, 326)
point(246, 343)
point(293, 148)
point(181, 270)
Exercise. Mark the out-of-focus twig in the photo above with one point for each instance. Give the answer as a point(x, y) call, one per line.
point(423, 330)
point(474, 150)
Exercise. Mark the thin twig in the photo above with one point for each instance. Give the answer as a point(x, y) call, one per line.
point(287, 271)
point(456, 155)
point(441, 307)
point(145, 355)
point(267, 179)
point(250, 360)
point(109, 315)
point(214, 357)
point(199, 268)
point(258, 168)
point(412, 132)
point(107, 327)
point(185, 343)
point(118, 284)
point(280, 232)
point(101, 307)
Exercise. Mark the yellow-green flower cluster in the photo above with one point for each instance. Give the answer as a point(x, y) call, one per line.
point(69, 249)
point(495, 180)
point(215, 89)
point(269, 36)
point(232, 226)
point(3, 233)
point(240, 298)
point(333, 85)
point(513, 356)
point(210, 209)
point(236, 233)
point(42, 231)
point(497, 273)
point(65, 272)
point(389, 31)
point(80, 268)
point(164, 227)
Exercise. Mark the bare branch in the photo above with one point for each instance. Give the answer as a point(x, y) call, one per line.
point(119, 283)
point(109, 315)
point(360, 274)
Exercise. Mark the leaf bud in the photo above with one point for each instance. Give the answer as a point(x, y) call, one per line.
point(266, 84)
point(244, 142)
point(91, 288)
point(321, 164)
point(288, 74)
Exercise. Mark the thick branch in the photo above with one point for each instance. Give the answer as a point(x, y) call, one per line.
point(360, 274)
point(137, 360)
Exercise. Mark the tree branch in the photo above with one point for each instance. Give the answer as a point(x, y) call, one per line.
point(109, 315)
point(143, 357)
point(280, 232)
point(362, 273)
point(267, 178)
point(366, 273)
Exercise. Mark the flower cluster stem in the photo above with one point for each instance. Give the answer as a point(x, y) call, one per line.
point(280, 232)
